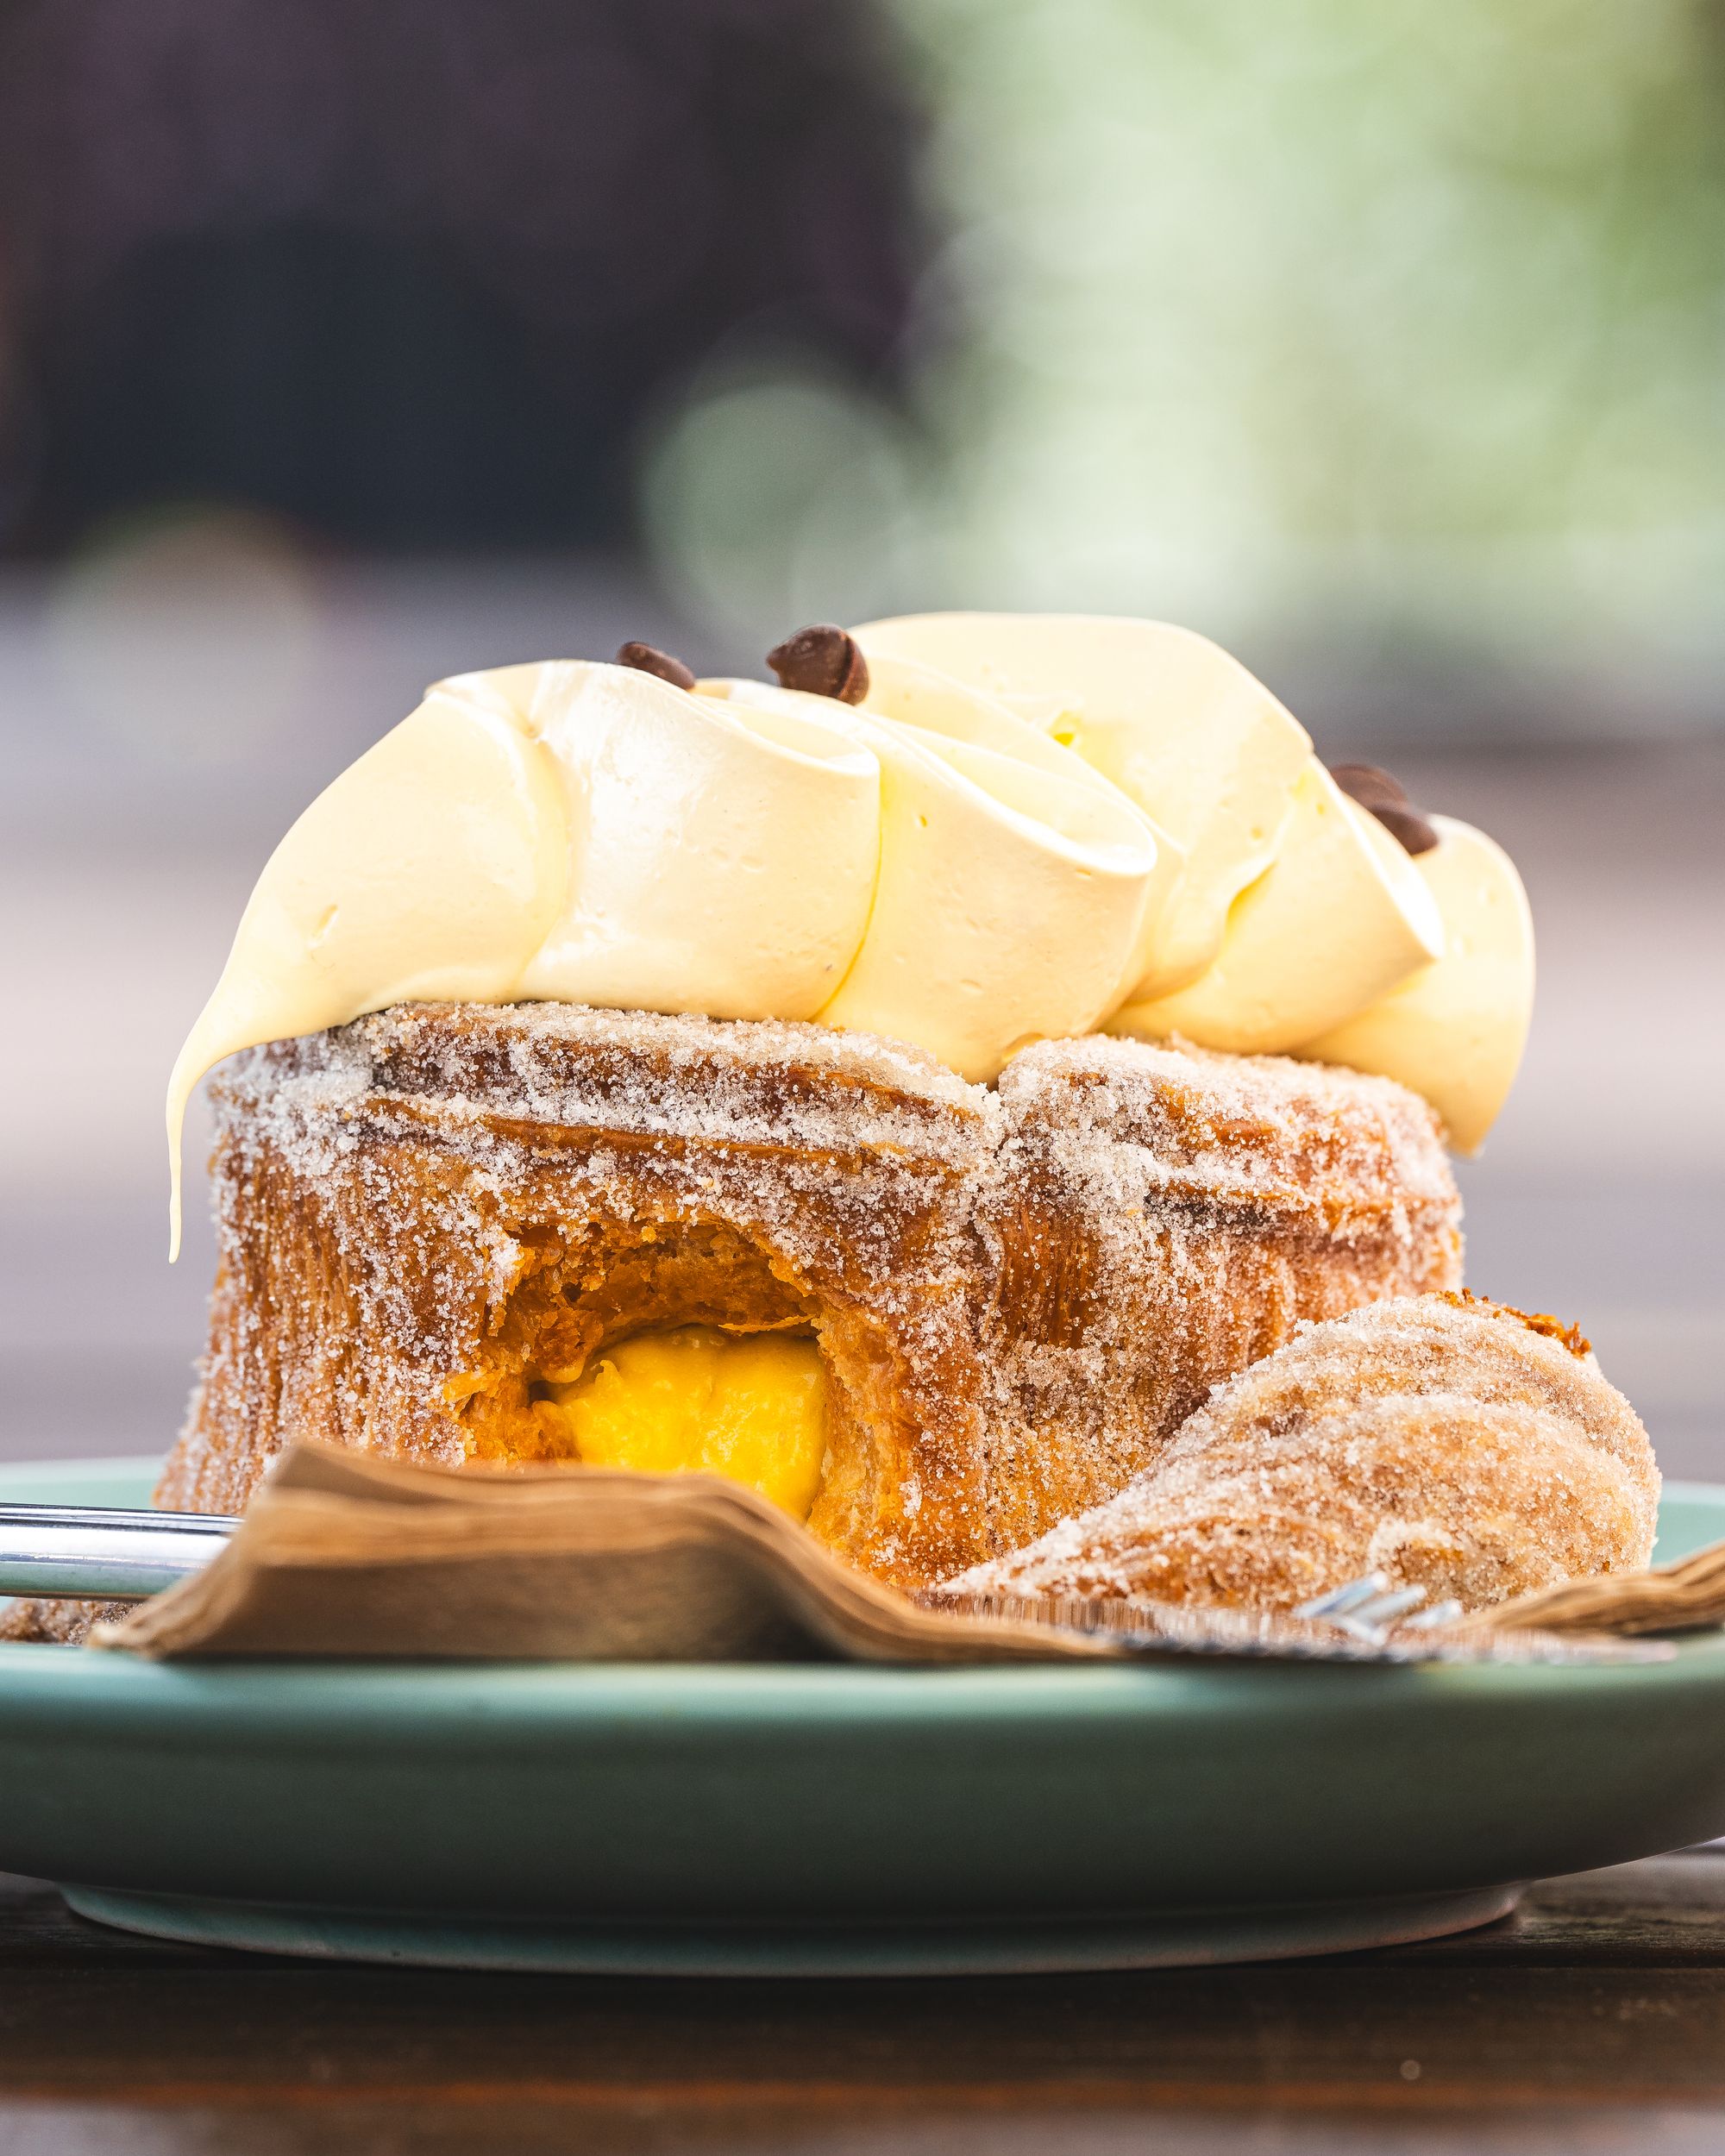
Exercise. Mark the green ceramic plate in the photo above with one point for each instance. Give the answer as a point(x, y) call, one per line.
point(767, 1820)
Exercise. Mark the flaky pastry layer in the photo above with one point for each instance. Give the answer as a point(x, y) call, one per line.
point(1018, 1292)
point(1444, 1441)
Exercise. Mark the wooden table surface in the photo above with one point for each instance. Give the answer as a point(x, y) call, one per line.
point(1592, 2020)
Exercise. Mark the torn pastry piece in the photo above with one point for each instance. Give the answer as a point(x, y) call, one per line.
point(1156, 1218)
point(930, 1318)
point(1444, 1441)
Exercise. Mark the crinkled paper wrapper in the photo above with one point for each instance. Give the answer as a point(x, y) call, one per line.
point(341, 1554)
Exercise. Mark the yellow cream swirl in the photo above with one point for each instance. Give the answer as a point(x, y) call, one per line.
point(591, 834)
point(1032, 825)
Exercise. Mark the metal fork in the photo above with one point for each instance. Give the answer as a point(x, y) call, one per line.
point(1371, 1609)
point(84, 1552)
point(87, 1551)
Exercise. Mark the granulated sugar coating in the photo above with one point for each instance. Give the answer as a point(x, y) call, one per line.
point(1444, 1441)
point(1017, 1294)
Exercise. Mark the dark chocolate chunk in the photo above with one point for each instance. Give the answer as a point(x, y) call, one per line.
point(1368, 783)
point(647, 659)
point(822, 660)
point(1386, 797)
point(1404, 821)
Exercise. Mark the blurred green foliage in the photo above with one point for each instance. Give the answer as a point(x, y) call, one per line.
point(1405, 316)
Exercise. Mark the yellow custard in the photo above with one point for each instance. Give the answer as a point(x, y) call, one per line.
point(751, 1407)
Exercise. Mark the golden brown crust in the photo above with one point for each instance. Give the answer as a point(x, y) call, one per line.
point(1158, 1218)
point(1018, 1292)
point(1569, 1336)
point(57, 1623)
point(1444, 1441)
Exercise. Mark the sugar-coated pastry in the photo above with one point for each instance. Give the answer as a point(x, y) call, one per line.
point(917, 1087)
point(1442, 1440)
point(446, 1232)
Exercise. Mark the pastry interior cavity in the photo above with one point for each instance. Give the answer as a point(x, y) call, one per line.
point(669, 1348)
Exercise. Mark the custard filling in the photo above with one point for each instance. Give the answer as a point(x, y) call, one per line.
point(694, 1399)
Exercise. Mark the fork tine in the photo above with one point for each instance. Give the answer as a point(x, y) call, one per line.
point(1340, 1601)
point(1384, 1609)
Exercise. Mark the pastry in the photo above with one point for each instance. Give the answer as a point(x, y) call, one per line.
point(461, 1231)
point(1446, 1442)
point(895, 1085)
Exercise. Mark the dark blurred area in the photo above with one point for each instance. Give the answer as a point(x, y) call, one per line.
point(410, 276)
point(348, 343)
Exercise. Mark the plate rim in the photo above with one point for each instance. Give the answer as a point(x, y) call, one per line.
point(59, 1682)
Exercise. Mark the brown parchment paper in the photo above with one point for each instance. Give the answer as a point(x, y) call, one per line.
point(1688, 1595)
point(341, 1554)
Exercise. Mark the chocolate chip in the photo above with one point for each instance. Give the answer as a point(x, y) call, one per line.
point(822, 660)
point(1404, 821)
point(646, 658)
point(1368, 783)
point(1386, 797)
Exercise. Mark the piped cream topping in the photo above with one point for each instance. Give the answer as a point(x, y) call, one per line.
point(1027, 827)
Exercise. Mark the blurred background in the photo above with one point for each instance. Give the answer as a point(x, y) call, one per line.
point(346, 343)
